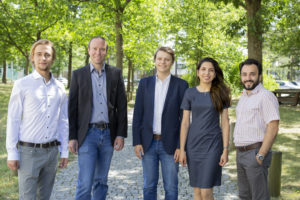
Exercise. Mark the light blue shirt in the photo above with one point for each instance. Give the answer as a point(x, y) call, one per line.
point(99, 109)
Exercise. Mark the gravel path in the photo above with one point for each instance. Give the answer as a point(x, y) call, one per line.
point(125, 179)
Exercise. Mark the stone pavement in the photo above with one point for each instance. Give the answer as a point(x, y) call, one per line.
point(125, 179)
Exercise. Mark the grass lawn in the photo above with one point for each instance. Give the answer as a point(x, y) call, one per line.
point(287, 141)
point(8, 182)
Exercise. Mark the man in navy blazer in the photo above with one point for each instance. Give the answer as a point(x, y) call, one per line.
point(97, 120)
point(156, 125)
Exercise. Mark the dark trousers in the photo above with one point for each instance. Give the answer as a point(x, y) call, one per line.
point(252, 177)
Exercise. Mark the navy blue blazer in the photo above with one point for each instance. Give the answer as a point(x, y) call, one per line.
point(142, 125)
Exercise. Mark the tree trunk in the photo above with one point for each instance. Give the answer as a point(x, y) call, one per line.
point(119, 40)
point(4, 72)
point(87, 58)
point(129, 75)
point(38, 36)
point(26, 69)
point(254, 26)
point(70, 65)
point(132, 79)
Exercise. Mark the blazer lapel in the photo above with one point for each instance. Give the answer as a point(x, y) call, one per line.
point(108, 82)
point(170, 89)
point(87, 74)
point(151, 91)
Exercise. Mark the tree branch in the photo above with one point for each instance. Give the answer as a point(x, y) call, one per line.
point(17, 23)
point(242, 4)
point(12, 42)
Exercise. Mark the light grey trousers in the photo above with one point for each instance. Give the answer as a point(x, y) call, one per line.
point(37, 172)
point(252, 177)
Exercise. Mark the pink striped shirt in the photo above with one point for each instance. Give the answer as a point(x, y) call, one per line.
point(253, 112)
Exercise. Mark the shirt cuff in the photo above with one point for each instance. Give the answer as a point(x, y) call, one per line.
point(14, 155)
point(64, 154)
point(120, 137)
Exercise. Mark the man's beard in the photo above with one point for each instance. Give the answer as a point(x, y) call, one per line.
point(253, 85)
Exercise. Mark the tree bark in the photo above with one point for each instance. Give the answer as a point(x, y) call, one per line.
point(254, 32)
point(119, 40)
point(38, 35)
point(129, 75)
point(70, 64)
point(4, 72)
point(26, 69)
point(87, 58)
point(132, 79)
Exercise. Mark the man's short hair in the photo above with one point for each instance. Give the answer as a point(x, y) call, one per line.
point(97, 37)
point(42, 42)
point(167, 50)
point(251, 61)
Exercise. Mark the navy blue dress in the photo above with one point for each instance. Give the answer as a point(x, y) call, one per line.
point(204, 145)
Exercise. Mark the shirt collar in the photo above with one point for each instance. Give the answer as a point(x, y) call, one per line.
point(37, 75)
point(166, 79)
point(92, 68)
point(254, 91)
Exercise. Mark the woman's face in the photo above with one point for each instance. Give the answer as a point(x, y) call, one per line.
point(206, 73)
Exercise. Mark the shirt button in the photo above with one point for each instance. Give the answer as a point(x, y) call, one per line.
point(101, 112)
point(48, 105)
point(48, 116)
point(100, 102)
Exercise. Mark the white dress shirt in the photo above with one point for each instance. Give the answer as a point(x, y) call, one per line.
point(37, 113)
point(161, 89)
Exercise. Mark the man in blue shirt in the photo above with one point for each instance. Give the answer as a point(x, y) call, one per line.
point(98, 120)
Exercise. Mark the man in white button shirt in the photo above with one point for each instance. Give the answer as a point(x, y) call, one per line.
point(37, 126)
point(156, 125)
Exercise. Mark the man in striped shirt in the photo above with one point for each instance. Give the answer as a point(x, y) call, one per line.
point(257, 121)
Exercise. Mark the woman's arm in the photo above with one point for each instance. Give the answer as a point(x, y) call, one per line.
point(225, 136)
point(185, 123)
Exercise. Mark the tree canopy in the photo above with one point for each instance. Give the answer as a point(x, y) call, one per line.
point(228, 30)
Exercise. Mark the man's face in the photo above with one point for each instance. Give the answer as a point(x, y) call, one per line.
point(42, 57)
point(163, 62)
point(97, 51)
point(249, 77)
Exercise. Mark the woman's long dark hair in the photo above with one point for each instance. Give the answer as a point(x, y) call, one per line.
point(219, 91)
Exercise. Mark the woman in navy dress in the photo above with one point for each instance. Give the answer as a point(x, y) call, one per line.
point(203, 143)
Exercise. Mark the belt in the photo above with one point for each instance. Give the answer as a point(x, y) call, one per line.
point(101, 126)
point(249, 147)
point(44, 145)
point(156, 137)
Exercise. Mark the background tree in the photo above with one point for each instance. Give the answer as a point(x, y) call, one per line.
point(115, 8)
point(141, 38)
point(198, 32)
point(283, 39)
point(25, 22)
point(255, 22)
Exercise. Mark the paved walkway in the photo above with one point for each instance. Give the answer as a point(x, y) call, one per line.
point(125, 179)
